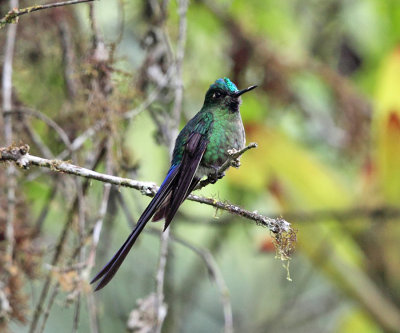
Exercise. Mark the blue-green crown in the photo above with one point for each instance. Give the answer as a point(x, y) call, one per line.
point(224, 84)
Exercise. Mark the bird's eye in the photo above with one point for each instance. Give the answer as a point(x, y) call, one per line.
point(217, 95)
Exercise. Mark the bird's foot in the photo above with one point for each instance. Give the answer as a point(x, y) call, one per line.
point(234, 159)
point(235, 163)
point(214, 176)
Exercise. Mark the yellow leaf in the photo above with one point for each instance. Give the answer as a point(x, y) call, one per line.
point(386, 127)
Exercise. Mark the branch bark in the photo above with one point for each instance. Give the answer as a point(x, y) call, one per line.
point(233, 160)
point(13, 15)
point(6, 85)
point(20, 156)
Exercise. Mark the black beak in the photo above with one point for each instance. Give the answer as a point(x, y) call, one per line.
point(241, 92)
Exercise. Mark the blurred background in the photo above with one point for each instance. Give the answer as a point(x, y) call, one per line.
point(101, 85)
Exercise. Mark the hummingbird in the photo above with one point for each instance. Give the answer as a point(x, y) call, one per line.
point(200, 149)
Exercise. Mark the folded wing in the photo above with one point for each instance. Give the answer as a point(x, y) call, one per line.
point(177, 185)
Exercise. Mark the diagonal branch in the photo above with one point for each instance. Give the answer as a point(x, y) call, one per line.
point(41, 116)
point(283, 232)
point(12, 15)
point(216, 275)
point(233, 160)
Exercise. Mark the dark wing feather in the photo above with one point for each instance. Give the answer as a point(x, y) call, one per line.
point(161, 212)
point(179, 182)
point(194, 151)
point(113, 265)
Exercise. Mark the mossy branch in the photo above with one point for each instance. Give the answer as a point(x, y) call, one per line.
point(283, 233)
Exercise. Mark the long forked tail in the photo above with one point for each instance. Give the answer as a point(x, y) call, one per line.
point(163, 210)
point(187, 180)
point(175, 188)
point(109, 270)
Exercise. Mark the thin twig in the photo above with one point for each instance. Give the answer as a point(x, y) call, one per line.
point(71, 146)
point(204, 254)
point(233, 160)
point(46, 286)
point(180, 53)
point(13, 15)
point(8, 137)
point(68, 59)
point(152, 97)
point(57, 254)
point(121, 20)
point(100, 55)
point(79, 267)
point(43, 213)
point(96, 37)
point(36, 139)
point(39, 115)
point(75, 325)
point(93, 318)
point(81, 139)
point(81, 230)
point(20, 156)
point(5, 307)
point(98, 226)
point(95, 232)
point(276, 225)
point(160, 306)
point(50, 303)
point(217, 277)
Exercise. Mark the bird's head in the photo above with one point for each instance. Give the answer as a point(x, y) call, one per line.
point(223, 92)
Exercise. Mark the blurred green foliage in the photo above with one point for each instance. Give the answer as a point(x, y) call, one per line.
point(326, 117)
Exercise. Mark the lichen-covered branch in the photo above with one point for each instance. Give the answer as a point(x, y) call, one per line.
point(284, 234)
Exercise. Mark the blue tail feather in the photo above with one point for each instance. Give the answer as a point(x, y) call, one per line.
point(113, 265)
